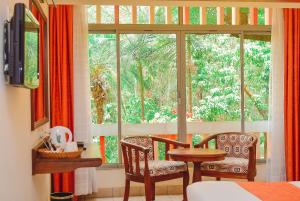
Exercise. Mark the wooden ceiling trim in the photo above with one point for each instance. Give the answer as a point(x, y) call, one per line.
point(203, 20)
point(205, 3)
point(220, 15)
point(169, 15)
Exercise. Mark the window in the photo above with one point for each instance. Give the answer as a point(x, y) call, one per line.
point(92, 14)
point(257, 70)
point(148, 78)
point(125, 14)
point(149, 85)
point(107, 15)
point(212, 82)
point(211, 15)
point(103, 74)
point(143, 13)
point(179, 84)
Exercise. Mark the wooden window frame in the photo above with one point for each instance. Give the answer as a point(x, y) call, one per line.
point(181, 29)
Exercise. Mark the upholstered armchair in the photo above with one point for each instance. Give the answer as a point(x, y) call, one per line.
point(141, 166)
point(240, 161)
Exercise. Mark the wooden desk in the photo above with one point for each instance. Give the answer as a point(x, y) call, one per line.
point(197, 156)
point(89, 158)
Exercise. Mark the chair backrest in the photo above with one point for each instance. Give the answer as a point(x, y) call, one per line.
point(143, 141)
point(235, 144)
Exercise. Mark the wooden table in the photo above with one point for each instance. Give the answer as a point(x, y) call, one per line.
point(197, 156)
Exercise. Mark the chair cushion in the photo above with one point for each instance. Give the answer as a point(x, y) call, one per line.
point(236, 145)
point(230, 164)
point(162, 167)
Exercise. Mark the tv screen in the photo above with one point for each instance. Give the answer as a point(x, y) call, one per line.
point(23, 51)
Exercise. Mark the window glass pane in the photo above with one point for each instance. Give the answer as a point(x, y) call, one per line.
point(125, 14)
point(160, 15)
point(261, 16)
point(213, 77)
point(175, 15)
point(143, 13)
point(149, 84)
point(107, 14)
point(211, 15)
point(212, 84)
point(227, 15)
point(244, 15)
point(257, 78)
point(103, 75)
point(194, 15)
point(257, 70)
point(91, 14)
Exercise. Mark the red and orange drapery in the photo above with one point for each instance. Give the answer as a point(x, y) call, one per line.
point(291, 92)
point(61, 80)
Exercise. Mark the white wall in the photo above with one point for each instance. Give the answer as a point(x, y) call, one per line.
point(16, 138)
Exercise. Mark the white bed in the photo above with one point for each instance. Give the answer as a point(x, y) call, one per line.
point(221, 191)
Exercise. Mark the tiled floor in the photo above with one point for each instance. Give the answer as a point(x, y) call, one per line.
point(141, 198)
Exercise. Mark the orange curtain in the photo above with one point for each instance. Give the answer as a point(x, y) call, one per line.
point(38, 94)
point(291, 90)
point(61, 80)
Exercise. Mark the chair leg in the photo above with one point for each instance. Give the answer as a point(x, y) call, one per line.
point(127, 188)
point(218, 179)
point(250, 178)
point(153, 190)
point(186, 179)
point(148, 189)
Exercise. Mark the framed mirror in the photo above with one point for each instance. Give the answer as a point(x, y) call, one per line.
point(39, 96)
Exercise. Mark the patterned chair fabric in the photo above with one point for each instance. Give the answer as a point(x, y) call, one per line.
point(162, 167)
point(236, 145)
point(230, 164)
point(143, 141)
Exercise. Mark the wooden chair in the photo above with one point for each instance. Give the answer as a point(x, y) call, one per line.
point(141, 167)
point(240, 161)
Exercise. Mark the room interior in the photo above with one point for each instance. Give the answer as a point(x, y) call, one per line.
point(150, 100)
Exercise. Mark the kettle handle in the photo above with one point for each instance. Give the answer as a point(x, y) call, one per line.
point(70, 136)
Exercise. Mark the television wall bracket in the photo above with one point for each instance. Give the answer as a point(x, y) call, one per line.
point(6, 50)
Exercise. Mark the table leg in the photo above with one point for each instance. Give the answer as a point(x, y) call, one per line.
point(197, 172)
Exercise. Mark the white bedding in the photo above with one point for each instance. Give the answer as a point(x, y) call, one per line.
point(221, 191)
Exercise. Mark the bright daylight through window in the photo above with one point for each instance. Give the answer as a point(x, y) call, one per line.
point(137, 78)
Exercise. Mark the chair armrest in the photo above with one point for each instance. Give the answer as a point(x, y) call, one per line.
point(205, 141)
point(169, 142)
point(252, 150)
point(173, 142)
point(137, 147)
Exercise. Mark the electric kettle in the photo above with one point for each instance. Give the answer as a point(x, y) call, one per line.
point(58, 136)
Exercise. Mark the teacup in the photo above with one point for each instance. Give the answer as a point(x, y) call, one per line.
point(70, 146)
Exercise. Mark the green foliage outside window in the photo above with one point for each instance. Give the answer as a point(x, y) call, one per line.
point(215, 78)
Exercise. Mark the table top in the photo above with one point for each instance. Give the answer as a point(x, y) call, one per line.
point(197, 154)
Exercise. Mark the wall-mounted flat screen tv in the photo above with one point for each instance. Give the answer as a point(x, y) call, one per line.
point(23, 48)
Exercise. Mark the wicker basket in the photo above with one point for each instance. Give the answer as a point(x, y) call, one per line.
point(45, 153)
